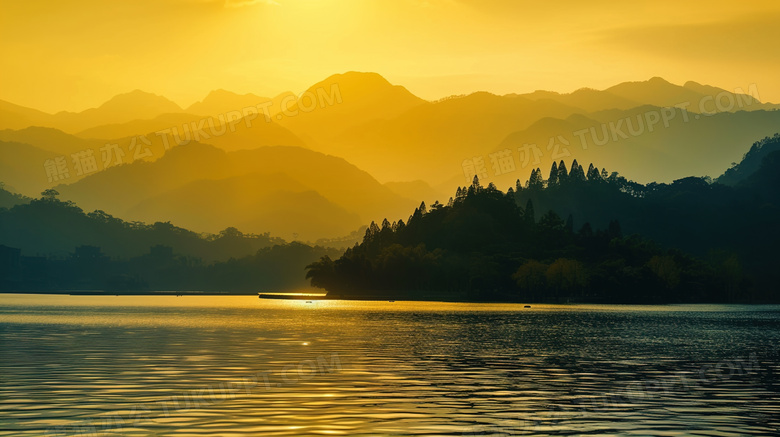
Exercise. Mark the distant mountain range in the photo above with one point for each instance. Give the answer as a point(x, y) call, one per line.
point(218, 151)
point(121, 108)
point(289, 191)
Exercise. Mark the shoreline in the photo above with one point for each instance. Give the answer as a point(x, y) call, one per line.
point(322, 297)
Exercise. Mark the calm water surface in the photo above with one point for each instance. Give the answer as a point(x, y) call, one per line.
point(241, 366)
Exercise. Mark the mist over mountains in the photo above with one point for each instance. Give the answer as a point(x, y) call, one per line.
point(355, 148)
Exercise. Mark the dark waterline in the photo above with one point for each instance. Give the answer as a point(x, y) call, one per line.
point(242, 366)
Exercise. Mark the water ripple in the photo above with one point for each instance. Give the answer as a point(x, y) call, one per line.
point(235, 366)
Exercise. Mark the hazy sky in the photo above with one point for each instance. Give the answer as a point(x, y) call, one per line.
point(70, 55)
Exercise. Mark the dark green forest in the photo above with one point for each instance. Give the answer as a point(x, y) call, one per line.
point(52, 245)
point(572, 234)
point(580, 235)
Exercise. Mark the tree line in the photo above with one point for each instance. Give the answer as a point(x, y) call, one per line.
point(693, 240)
point(49, 245)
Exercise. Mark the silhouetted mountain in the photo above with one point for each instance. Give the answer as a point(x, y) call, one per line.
point(230, 132)
point(22, 167)
point(343, 101)
point(50, 139)
point(135, 105)
point(341, 189)
point(430, 141)
point(336, 179)
point(485, 247)
point(353, 113)
point(272, 203)
point(30, 176)
point(118, 188)
point(686, 144)
point(24, 155)
point(121, 108)
point(49, 245)
point(488, 245)
point(709, 220)
point(8, 198)
point(751, 161)
point(763, 185)
point(658, 92)
point(655, 91)
point(18, 117)
point(250, 133)
point(221, 102)
point(47, 226)
point(68, 158)
point(586, 99)
point(139, 127)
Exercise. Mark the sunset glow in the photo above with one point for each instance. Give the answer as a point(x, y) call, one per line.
point(389, 217)
point(75, 55)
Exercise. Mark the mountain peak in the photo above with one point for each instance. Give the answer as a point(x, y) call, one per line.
point(654, 91)
point(221, 93)
point(368, 78)
point(350, 99)
point(356, 82)
point(658, 80)
point(220, 101)
point(140, 100)
point(702, 89)
point(653, 81)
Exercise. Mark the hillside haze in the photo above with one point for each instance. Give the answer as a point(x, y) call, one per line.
point(356, 148)
point(288, 191)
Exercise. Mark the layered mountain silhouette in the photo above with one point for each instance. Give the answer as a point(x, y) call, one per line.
point(432, 141)
point(288, 191)
point(221, 102)
point(578, 237)
point(139, 126)
point(50, 139)
point(122, 108)
point(709, 242)
point(156, 137)
point(21, 167)
point(18, 117)
point(24, 152)
point(651, 130)
point(344, 101)
point(751, 162)
point(255, 202)
point(659, 92)
point(703, 145)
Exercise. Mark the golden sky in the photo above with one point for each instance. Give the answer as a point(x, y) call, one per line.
point(75, 54)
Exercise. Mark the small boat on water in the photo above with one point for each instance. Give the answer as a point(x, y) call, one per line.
point(291, 296)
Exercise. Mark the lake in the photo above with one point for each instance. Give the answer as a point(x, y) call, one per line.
point(241, 366)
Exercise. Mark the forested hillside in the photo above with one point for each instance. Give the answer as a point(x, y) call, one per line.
point(578, 235)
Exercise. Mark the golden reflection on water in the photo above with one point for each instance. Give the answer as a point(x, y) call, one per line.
point(242, 366)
